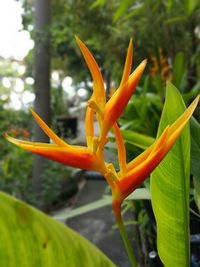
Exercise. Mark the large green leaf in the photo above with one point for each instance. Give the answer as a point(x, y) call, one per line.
point(29, 238)
point(170, 189)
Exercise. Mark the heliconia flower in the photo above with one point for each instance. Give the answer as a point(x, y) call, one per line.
point(91, 157)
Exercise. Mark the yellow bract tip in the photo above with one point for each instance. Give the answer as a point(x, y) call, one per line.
point(99, 91)
point(47, 130)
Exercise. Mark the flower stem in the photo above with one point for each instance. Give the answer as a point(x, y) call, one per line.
point(123, 233)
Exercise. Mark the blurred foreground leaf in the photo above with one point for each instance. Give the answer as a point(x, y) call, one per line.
point(29, 238)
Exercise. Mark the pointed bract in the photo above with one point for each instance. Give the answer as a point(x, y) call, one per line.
point(57, 140)
point(117, 103)
point(128, 64)
point(99, 91)
point(78, 157)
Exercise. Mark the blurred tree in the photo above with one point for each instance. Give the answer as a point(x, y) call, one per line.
point(95, 26)
point(170, 25)
point(107, 26)
point(42, 81)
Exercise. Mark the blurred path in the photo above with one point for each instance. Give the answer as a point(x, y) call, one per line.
point(96, 225)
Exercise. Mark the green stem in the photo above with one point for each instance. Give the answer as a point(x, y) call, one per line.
point(124, 236)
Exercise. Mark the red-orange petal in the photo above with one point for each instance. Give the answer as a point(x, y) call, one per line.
point(78, 157)
point(135, 177)
point(139, 159)
point(117, 103)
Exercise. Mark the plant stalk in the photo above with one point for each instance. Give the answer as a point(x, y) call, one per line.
point(123, 233)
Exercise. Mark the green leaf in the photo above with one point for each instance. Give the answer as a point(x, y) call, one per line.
point(138, 194)
point(169, 4)
point(124, 5)
point(195, 147)
point(190, 6)
point(189, 96)
point(178, 19)
point(157, 82)
point(98, 3)
point(170, 189)
point(196, 182)
point(29, 238)
point(123, 8)
point(137, 139)
point(179, 69)
point(195, 156)
point(135, 11)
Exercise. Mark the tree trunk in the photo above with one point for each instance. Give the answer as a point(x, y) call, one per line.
point(42, 82)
